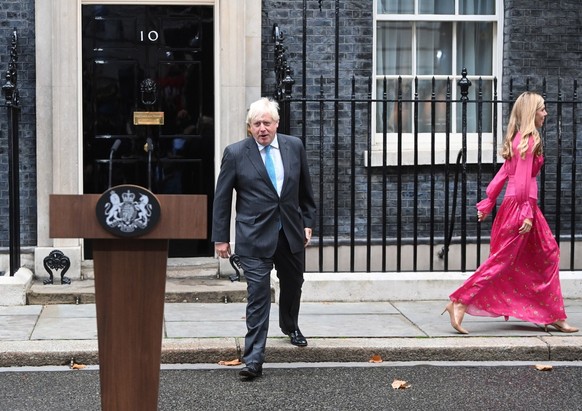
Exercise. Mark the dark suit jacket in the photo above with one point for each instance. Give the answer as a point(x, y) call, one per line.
point(258, 207)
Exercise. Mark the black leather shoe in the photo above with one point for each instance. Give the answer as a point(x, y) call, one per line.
point(252, 370)
point(298, 339)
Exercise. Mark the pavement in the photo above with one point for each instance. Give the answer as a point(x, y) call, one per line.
point(209, 332)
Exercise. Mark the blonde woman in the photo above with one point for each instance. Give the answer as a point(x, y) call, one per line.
point(520, 278)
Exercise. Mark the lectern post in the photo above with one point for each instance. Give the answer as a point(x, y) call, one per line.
point(130, 281)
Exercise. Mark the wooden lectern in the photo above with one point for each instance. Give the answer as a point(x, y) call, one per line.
point(130, 282)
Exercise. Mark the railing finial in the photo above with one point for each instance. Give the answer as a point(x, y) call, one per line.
point(464, 83)
point(283, 73)
point(9, 88)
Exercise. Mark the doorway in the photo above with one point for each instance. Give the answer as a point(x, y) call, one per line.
point(148, 103)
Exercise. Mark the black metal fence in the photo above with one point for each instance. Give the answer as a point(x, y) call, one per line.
point(10, 91)
point(397, 175)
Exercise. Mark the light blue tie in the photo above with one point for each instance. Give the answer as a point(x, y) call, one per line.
point(270, 165)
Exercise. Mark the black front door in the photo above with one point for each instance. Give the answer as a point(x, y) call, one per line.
point(144, 66)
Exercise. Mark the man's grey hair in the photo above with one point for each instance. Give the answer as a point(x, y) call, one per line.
point(262, 106)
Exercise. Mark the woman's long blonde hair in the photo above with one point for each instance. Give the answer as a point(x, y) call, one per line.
point(522, 119)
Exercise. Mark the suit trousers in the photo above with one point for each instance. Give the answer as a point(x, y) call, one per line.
point(290, 268)
point(257, 272)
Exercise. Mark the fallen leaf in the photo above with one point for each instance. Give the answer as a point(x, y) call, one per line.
point(375, 358)
point(236, 361)
point(543, 367)
point(76, 366)
point(400, 385)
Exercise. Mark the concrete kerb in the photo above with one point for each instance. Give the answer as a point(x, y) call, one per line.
point(320, 287)
point(47, 352)
point(213, 350)
point(13, 289)
point(409, 286)
point(415, 349)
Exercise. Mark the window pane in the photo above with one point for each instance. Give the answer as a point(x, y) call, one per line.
point(396, 6)
point(434, 48)
point(425, 106)
point(480, 7)
point(394, 48)
point(436, 7)
point(475, 48)
point(390, 107)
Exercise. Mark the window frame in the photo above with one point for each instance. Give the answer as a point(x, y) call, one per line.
point(455, 142)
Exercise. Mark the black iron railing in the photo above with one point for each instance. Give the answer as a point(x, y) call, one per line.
point(10, 91)
point(382, 208)
point(382, 164)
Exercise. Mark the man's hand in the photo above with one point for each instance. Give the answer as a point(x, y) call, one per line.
point(222, 250)
point(308, 233)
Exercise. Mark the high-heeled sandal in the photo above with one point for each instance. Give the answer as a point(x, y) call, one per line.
point(450, 308)
point(561, 326)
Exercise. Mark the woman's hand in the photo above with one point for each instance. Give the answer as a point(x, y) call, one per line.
point(526, 226)
point(481, 216)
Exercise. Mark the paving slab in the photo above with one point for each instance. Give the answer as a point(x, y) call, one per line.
point(342, 332)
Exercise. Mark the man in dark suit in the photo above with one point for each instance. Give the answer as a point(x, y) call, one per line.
point(275, 214)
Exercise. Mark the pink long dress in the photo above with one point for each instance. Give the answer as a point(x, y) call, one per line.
point(520, 278)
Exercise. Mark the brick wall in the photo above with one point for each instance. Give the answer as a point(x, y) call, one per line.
point(541, 39)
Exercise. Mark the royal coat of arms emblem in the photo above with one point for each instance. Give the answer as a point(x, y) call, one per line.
point(128, 210)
